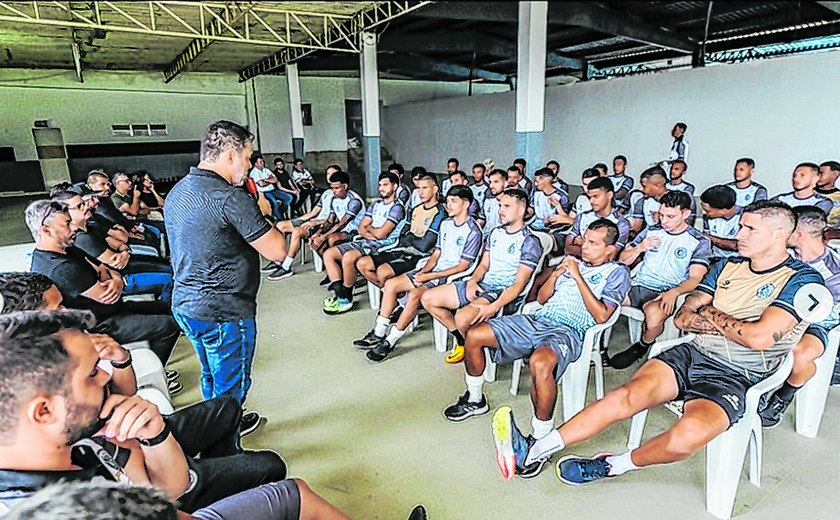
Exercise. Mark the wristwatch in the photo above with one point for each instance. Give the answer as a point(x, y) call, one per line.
point(157, 439)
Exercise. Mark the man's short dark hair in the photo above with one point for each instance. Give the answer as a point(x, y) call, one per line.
point(719, 197)
point(810, 219)
point(479, 165)
point(398, 167)
point(619, 156)
point(612, 229)
point(601, 166)
point(392, 177)
point(417, 170)
point(746, 160)
point(453, 160)
point(810, 165)
point(520, 160)
point(676, 199)
point(590, 173)
point(773, 209)
point(297, 160)
point(62, 196)
point(555, 163)
point(462, 192)
point(340, 177)
point(277, 160)
point(654, 171)
point(545, 172)
point(222, 136)
point(334, 167)
point(831, 165)
point(498, 171)
point(458, 172)
point(680, 161)
point(518, 193)
point(601, 183)
point(682, 125)
point(23, 291)
point(58, 188)
point(256, 156)
point(515, 168)
point(425, 176)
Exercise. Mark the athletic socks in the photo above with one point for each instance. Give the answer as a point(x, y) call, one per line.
point(545, 447)
point(287, 263)
point(394, 336)
point(475, 387)
point(541, 428)
point(620, 464)
point(644, 343)
point(787, 391)
point(458, 336)
point(381, 326)
point(345, 292)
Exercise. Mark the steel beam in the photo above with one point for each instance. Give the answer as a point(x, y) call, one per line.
point(831, 6)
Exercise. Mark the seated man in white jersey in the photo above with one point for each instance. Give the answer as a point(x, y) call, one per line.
point(458, 246)
point(582, 203)
point(496, 185)
point(675, 257)
point(517, 180)
point(677, 182)
point(300, 228)
point(601, 196)
point(721, 220)
point(804, 182)
point(645, 212)
point(403, 193)
point(511, 253)
point(809, 248)
point(742, 336)
point(479, 185)
point(459, 178)
point(524, 183)
point(555, 167)
point(746, 190)
point(346, 211)
point(827, 187)
point(547, 201)
point(416, 240)
point(622, 183)
point(576, 296)
point(452, 166)
point(380, 227)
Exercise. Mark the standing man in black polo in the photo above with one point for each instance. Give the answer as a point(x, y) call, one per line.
point(217, 234)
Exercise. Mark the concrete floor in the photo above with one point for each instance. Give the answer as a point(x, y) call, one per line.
point(372, 438)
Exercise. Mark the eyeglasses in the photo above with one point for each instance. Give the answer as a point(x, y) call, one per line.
point(53, 207)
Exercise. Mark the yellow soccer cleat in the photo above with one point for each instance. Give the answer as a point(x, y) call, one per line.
point(456, 355)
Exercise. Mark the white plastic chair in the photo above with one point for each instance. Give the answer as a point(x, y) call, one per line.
point(439, 332)
point(636, 318)
point(575, 380)
point(725, 454)
point(17, 257)
point(148, 370)
point(157, 398)
point(318, 262)
point(810, 399)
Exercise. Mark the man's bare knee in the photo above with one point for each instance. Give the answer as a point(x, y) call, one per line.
point(543, 363)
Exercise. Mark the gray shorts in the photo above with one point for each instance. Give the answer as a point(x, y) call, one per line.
point(296, 222)
point(485, 292)
point(520, 335)
point(430, 284)
point(641, 295)
point(365, 246)
point(277, 500)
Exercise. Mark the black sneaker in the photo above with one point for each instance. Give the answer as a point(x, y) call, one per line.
point(279, 274)
point(250, 421)
point(172, 375)
point(380, 351)
point(271, 266)
point(418, 513)
point(624, 359)
point(325, 282)
point(464, 408)
point(368, 341)
point(174, 388)
point(771, 415)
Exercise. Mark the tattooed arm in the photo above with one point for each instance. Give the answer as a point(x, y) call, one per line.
point(687, 317)
point(762, 334)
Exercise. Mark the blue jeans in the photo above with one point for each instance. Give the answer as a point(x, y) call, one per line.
point(226, 352)
point(286, 200)
point(276, 204)
point(159, 284)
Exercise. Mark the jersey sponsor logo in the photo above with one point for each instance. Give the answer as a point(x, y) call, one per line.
point(681, 252)
point(725, 284)
point(765, 291)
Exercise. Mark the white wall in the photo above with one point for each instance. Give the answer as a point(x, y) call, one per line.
point(780, 112)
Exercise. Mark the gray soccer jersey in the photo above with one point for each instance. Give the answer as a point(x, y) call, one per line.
point(748, 195)
point(457, 243)
point(666, 266)
point(583, 220)
point(351, 204)
point(723, 228)
point(507, 252)
point(820, 201)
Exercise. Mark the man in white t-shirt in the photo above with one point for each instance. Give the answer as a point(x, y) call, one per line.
point(721, 220)
point(267, 185)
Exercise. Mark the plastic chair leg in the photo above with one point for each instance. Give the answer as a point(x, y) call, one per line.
point(756, 449)
point(440, 336)
point(724, 461)
point(514, 376)
point(634, 327)
point(811, 398)
point(637, 429)
point(489, 367)
point(374, 296)
point(302, 250)
point(319, 263)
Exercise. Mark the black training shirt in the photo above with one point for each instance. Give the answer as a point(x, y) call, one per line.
point(210, 224)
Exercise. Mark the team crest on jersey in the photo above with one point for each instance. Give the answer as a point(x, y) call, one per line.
point(725, 284)
point(460, 241)
point(681, 252)
point(511, 249)
point(765, 291)
point(595, 278)
point(748, 197)
point(427, 221)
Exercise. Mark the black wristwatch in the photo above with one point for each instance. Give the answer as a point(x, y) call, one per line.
point(124, 364)
point(157, 439)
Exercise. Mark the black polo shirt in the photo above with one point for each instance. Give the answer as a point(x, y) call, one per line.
point(91, 241)
point(210, 225)
point(73, 275)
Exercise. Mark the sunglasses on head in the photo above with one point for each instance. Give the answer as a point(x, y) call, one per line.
point(53, 207)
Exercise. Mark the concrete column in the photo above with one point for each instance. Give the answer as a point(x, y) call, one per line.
point(369, 76)
point(530, 82)
point(294, 109)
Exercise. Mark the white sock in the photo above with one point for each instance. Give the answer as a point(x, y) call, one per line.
point(541, 428)
point(475, 386)
point(394, 336)
point(545, 447)
point(381, 326)
point(620, 464)
point(287, 263)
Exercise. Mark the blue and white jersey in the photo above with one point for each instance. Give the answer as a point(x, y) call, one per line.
point(666, 266)
point(507, 252)
point(526, 185)
point(679, 149)
point(582, 204)
point(560, 185)
point(748, 195)
point(621, 181)
point(457, 243)
point(480, 192)
point(414, 199)
point(683, 186)
point(403, 194)
point(543, 208)
point(350, 204)
point(491, 214)
point(324, 204)
point(583, 220)
point(723, 228)
point(475, 210)
point(445, 185)
point(381, 212)
point(609, 282)
point(645, 208)
point(828, 265)
point(820, 201)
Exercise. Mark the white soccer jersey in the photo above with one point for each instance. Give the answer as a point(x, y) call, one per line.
point(351, 203)
point(683, 186)
point(457, 243)
point(403, 194)
point(507, 252)
point(491, 213)
point(480, 192)
point(583, 220)
point(324, 203)
point(723, 228)
point(381, 212)
point(748, 195)
point(582, 204)
point(543, 208)
point(820, 201)
point(666, 266)
point(645, 208)
point(414, 200)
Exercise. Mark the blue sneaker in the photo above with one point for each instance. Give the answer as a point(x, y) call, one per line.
point(337, 306)
point(575, 470)
point(512, 447)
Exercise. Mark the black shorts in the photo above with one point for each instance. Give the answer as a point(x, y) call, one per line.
point(701, 377)
point(818, 332)
point(639, 295)
point(400, 262)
